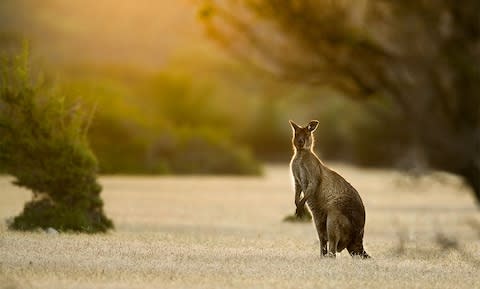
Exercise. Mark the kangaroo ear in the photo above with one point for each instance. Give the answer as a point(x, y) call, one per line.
point(294, 125)
point(312, 126)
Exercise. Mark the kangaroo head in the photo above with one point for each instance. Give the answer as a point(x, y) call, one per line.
point(303, 136)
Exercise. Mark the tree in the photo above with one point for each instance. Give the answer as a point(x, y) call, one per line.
point(43, 144)
point(423, 56)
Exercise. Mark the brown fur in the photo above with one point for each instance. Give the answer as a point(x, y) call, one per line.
point(337, 209)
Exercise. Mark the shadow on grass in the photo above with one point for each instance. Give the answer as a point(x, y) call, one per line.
point(444, 242)
point(294, 218)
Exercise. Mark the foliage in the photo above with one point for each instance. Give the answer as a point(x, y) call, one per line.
point(154, 113)
point(366, 50)
point(160, 123)
point(202, 151)
point(43, 144)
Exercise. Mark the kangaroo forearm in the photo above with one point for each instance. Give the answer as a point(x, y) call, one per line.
point(297, 199)
point(302, 201)
point(306, 195)
point(298, 193)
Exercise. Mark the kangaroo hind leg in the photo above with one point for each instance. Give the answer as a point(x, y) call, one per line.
point(333, 234)
point(322, 235)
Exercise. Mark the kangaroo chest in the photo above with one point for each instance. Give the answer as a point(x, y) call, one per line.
point(301, 173)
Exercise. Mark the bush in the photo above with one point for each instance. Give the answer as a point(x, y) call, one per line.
point(43, 144)
point(161, 123)
point(202, 151)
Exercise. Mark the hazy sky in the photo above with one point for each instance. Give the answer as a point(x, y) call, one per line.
point(141, 32)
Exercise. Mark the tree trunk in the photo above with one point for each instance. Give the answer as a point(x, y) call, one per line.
point(471, 175)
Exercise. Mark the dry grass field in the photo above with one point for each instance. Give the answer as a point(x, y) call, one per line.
point(227, 232)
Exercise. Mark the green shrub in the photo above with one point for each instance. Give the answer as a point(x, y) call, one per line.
point(160, 123)
point(43, 144)
point(122, 146)
point(202, 151)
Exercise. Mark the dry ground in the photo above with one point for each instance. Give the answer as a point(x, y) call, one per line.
point(227, 232)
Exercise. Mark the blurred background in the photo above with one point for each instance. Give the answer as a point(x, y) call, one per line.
point(169, 98)
point(206, 87)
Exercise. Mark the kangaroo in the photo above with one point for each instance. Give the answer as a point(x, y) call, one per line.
point(337, 209)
